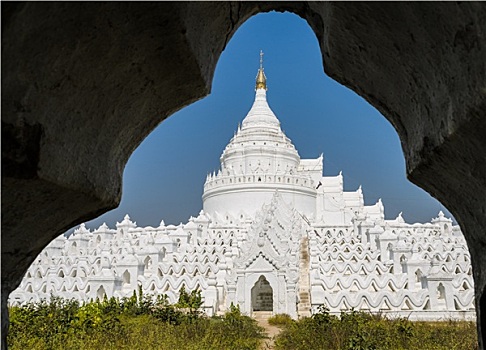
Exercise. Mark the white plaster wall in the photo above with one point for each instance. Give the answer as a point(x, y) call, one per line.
point(250, 199)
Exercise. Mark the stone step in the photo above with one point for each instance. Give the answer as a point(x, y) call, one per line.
point(262, 315)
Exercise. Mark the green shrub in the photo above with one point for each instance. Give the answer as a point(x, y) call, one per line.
point(280, 320)
point(355, 330)
point(145, 322)
point(138, 322)
point(233, 331)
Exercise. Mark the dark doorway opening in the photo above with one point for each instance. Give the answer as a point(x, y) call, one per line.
point(262, 295)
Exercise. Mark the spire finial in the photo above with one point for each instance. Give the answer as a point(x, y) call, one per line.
point(261, 79)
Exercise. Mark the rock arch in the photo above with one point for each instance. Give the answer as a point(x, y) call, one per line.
point(427, 77)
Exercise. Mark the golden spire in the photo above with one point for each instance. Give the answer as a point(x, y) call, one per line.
point(261, 79)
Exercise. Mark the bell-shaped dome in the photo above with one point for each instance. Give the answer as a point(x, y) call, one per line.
point(260, 114)
point(260, 138)
point(257, 161)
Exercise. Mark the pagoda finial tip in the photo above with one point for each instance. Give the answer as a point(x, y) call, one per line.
point(261, 79)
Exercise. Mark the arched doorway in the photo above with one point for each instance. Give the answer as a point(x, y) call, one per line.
point(100, 293)
point(262, 295)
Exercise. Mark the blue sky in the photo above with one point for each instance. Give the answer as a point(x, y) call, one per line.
point(164, 177)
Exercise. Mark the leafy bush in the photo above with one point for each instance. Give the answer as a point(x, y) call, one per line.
point(49, 325)
point(145, 322)
point(233, 331)
point(139, 322)
point(364, 331)
point(280, 320)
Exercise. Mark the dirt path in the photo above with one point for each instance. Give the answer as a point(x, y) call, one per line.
point(271, 331)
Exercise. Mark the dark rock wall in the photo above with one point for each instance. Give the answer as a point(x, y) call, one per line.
point(84, 83)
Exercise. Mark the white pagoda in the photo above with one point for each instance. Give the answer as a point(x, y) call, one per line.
point(274, 235)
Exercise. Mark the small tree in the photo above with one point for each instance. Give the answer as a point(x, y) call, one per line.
point(184, 298)
point(190, 302)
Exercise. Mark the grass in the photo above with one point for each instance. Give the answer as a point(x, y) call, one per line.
point(364, 331)
point(139, 322)
point(280, 320)
point(146, 332)
point(145, 322)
